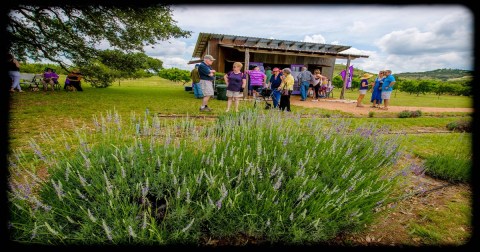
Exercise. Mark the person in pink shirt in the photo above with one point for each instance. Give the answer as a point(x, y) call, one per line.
point(257, 81)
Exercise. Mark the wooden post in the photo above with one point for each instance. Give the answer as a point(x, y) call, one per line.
point(347, 75)
point(245, 69)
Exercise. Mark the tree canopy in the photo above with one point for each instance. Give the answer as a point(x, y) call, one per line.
point(74, 35)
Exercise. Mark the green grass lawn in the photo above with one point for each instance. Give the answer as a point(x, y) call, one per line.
point(428, 100)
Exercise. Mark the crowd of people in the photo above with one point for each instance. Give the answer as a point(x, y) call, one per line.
point(382, 88)
point(280, 83)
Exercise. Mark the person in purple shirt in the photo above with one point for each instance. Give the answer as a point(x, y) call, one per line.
point(236, 82)
point(49, 78)
point(257, 80)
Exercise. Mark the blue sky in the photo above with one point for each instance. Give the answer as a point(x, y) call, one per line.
point(403, 38)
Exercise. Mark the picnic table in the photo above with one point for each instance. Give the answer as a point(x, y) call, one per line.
point(31, 81)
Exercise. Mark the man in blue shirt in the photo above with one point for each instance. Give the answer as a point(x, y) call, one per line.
point(304, 79)
point(207, 75)
point(387, 88)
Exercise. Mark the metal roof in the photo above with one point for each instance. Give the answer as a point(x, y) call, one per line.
point(273, 45)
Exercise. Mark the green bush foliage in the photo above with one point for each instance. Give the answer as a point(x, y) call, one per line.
point(410, 114)
point(449, 167)
point(460, 126)
point(147, 181)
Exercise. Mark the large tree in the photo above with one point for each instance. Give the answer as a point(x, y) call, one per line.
point(75, 35)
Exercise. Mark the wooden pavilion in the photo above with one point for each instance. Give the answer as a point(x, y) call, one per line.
point(262, 52)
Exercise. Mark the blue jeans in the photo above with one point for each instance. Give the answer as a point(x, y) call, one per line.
point(304, 89)
point(197, 90)
point(276, 97)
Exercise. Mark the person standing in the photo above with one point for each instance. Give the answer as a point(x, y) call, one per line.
point(304, 79)
point(316, 82)
point(387, 88)
point(257, 80)
point(207, 75)
point(286, 87)
point(274, 83)
point(14, 73)
point(268, 74)
point(363, 88)
point(236, 82)
point(376, 99)
point(195, 76)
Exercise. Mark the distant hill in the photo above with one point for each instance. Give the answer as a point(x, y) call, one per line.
point(441, 74)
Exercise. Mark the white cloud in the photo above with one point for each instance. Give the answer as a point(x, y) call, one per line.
point(405, 38)
point(315, 39)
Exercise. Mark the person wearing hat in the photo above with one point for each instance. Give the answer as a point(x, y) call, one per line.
point(207, 75)
point(74, 80)
point(363, 88)
point(274, 82)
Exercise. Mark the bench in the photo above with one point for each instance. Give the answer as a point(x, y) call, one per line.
point(31, 81)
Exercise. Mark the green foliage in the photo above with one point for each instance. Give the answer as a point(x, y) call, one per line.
point(439, 74)
point(114, 64)
point(447, 156)
point(219, 78)
point(68, 33)
point(176, 75)
point(410, 114)
point(37, 68)
point(144, 180)
point(462, 125)
point(337, 82)
point(433, 230)
point(449, 167)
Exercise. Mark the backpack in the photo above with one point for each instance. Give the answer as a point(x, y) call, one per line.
point(195, 75)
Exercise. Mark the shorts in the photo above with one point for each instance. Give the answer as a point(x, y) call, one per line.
point(236, 94)
point(362, 91)
point(207, 87)
point(256, 88)
point(386, 94)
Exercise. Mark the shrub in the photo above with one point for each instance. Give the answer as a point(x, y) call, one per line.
point(152, 182)
point(410, 114)
point(449, 167)
point(460, 126)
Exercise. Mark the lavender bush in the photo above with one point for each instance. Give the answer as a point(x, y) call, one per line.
point(269, 175)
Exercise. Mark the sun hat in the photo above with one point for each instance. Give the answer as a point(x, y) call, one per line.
point(366, 76)
point(275, 69)
point(209, 57)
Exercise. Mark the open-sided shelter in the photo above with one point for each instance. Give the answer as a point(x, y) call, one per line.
point(262, 52)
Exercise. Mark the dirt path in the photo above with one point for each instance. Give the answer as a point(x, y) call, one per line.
point(350, 106)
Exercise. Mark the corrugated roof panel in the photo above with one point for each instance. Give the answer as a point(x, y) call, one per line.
point(265, 43)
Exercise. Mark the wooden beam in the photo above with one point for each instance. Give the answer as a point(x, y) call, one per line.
point(347, 75)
